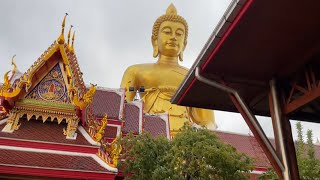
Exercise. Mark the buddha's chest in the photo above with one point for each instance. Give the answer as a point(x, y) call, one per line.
point(157, 76)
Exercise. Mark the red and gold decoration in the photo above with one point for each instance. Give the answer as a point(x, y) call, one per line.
point(51, 89)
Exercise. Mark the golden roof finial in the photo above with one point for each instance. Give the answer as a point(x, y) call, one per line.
point(14, 64)
point(6, 81)
point(69, 35)
point(172, 10)
point(72, 48)
point(61, 37)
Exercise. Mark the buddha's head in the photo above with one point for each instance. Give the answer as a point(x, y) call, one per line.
point(169, 34)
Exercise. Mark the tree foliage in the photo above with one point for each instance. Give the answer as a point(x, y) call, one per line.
point(192, 154)
point(308, 164)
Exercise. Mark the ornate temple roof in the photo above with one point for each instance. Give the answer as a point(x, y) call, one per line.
point(110, 101)
point(133, 117)
point(111, 132)
point(248, 144)
point(245, 144)
point(136, 121)
point(33, 137)
point(42, 146)
point(157, 125)
point(49, 159)
point(58, 163)
point(47, 132)
point(38, 146)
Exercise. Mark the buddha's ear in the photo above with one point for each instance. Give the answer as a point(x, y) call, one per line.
point(155, 46)
point(181, 53)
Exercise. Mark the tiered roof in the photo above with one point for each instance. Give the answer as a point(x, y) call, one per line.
point(110, 101)
point(157, 125)
point(133, 118)
point(248, 144)
point(47, 132)
point(245, 144)
point(40, 149)
point(38, 145)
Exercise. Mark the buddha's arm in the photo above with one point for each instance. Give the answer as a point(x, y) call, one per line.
point(129, 79)
point(203, 117)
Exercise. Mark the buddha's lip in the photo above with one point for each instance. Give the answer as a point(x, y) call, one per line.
point(172, 44)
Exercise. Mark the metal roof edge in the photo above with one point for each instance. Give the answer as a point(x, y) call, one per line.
point(207, 45)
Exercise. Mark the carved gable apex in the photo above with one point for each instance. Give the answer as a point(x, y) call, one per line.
point(68, 65)
point(55, 53)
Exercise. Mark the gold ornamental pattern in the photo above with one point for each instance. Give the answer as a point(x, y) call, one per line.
point(51, 88)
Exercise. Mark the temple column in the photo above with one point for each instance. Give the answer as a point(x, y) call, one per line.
point(283, 134)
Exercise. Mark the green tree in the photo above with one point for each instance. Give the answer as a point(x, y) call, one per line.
point(308, 164)
point(192, 154)
point(143, 155)
point(300, 149)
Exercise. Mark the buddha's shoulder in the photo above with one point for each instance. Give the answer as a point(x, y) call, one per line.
point(152, 66)
point(139, 66)
point(181, 70)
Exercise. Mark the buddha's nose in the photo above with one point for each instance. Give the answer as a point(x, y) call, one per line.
point(174, 38)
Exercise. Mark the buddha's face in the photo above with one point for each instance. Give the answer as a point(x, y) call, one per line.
point(171, 38)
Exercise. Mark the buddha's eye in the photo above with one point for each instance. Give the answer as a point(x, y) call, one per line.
point(167, 31)
point(179, 32)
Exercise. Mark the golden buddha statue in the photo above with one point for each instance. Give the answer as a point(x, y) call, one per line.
point(162, 79)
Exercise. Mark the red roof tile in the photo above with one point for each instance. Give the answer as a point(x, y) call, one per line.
point(155, 125)
point(110, 132)
point(46, 132)
point(109, 102)
point(47, 160)
point(247, 145)
point(250, 146)
point(131, 118)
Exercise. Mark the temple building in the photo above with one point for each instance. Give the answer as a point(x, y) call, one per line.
point(53, 125)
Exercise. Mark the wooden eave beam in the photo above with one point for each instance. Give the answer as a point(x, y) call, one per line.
point(303, 100)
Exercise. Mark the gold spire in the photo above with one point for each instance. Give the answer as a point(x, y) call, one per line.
point(69, 35)
point(172, 10)
point(14, 64)
point(61, 37)
point(72, 48)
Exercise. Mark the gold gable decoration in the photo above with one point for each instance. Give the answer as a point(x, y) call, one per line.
point(99, 135)
point(51, 88)
point(110, 152)
point(115, 151)
point(79, 95)
point(86, 99)
point(79, 92)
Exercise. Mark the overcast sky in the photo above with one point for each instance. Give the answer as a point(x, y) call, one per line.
point(110, 36)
